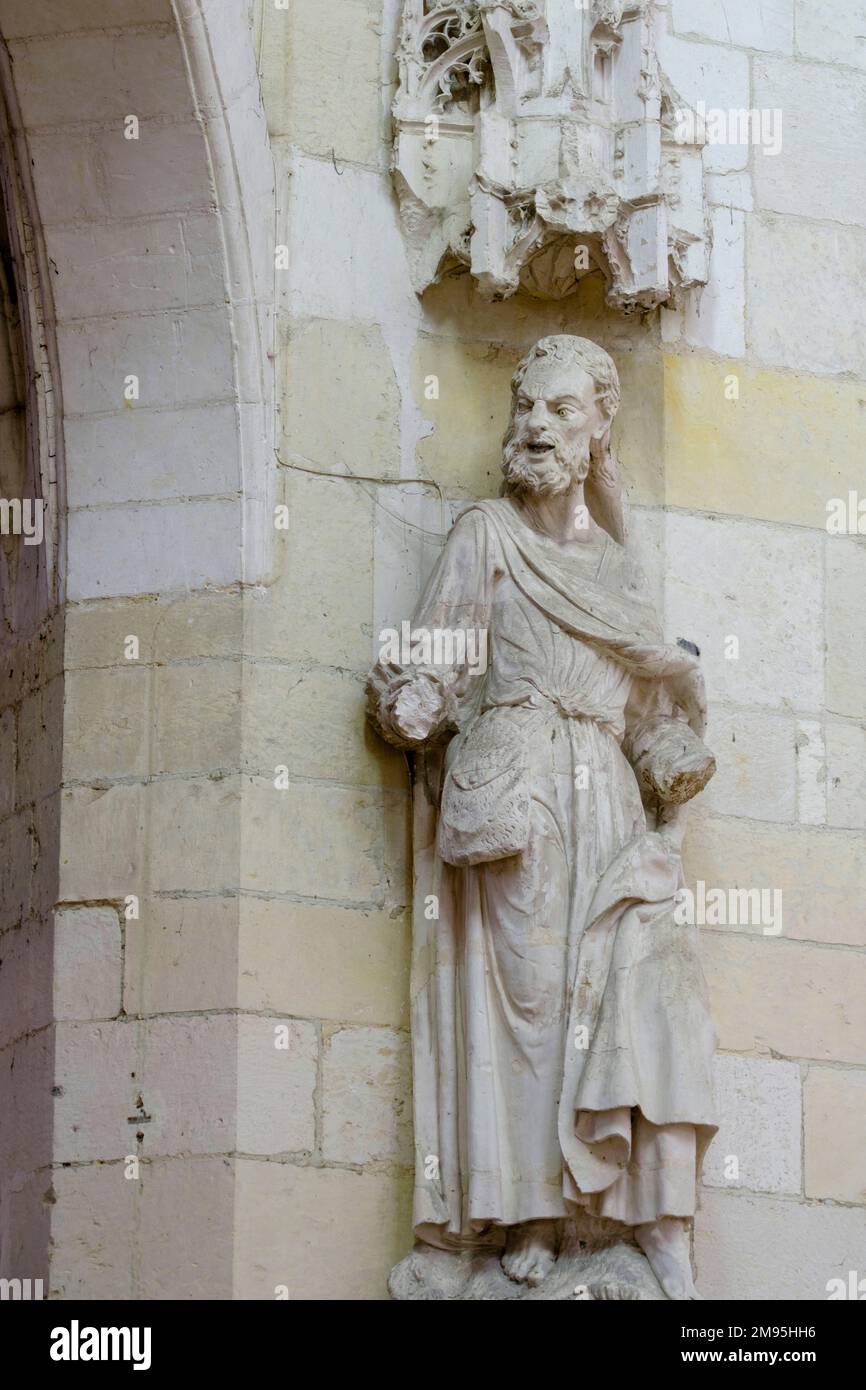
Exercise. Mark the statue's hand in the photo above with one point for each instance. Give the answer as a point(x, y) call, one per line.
point(418, 709)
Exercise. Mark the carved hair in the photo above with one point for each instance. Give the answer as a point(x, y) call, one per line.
point(575, 352)
point(604, 493)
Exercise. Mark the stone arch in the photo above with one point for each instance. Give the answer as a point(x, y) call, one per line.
point(139, 190)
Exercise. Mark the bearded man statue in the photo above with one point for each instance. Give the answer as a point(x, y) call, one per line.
point(562, 1040)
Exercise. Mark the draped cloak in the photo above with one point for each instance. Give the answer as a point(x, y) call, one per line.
point(562, 1043)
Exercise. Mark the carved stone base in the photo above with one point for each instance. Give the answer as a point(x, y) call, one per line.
point(614, 1269)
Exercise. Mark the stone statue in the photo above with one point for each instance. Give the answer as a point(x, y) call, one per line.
point(561, 1033)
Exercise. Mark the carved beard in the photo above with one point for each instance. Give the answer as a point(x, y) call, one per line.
point(546, 477)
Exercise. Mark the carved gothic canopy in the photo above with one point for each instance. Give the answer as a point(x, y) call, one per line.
point(535, 142)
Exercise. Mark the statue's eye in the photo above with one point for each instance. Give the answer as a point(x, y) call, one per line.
point(522, 407)
point(565, 412)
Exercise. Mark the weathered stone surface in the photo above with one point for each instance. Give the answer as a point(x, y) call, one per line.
point(181, 955)
point(760, 1126)
point(761, 585)
point(612, 1272)
point(821, 329)
point(761, 1247)
point(785, 997)
point(366, 1113)
point(835, 1134)
point(87, 963)
point(822, 116)
point(323, 961)
point(834, 36)
point(846, 776)
point(107, 713)
point(821, 874)
point(495, 105)
point(779, 450)
point(317, 1233)
point(765, 24)
point(846, 651)
point(277, 1060)
point(755, 765)
point(342, 397)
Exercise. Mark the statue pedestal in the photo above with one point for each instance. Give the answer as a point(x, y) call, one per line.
point(582, 1273)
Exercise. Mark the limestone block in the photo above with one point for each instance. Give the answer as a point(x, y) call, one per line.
point(755, 765)
point(368, 278)
point(27, 1074)
point(713, 316)
point(95, 1122)
point(793, 999)
point(321, 605)
point(764, 24)
point(187, 1084)
point(141, 550)
point(835, 1134)
point(824, 112)
point(105, 730)
point(93, 1232)
point(638, 432)
point(61, 198)
point(731, 190)
point(87, 963)
point(834, 35)
point(312, 837)
point(760, 1125)
point(846, 649)
point(366, 1104)
point(96, 633)
point(821, 874)
point(804, 430)
point(22, 20)
point(198, 625)
point(718, 77)
point(196, 717)
point(473, 386)
point(26, 966)
point(313, 721)
point(25, 1226)
point(846, 775)
point(185, 1240)
point(151, 455)
point(144, 71)
point(277, 1061)
point(100, 842)
point(762, 1247)
point(811, 773)
point(181, 956)
point(341, 409)
point(196, 834)
point(176, 177)
point(321, 81)
point(323, 961)
point(761, 585)
point(137, 268)
point(39, 722)
point(18, 856)
point(317, 1233)
point(181, 358)
point(822, 328)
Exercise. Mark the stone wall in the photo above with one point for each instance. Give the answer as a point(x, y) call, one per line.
point(215, 1013)
point(729, 499)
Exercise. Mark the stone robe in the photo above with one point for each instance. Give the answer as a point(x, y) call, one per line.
point(562, 1043)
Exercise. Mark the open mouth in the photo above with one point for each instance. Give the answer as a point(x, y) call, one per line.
point(540, 448)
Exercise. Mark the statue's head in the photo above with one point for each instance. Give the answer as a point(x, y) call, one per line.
point(564, 396)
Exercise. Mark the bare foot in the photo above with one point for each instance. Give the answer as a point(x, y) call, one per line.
point(530, 1252)
point(666, 1245)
